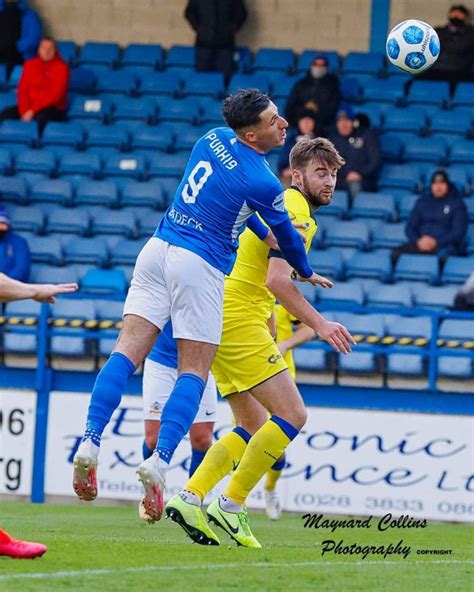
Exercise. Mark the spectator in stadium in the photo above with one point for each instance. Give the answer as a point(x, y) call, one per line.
point(360, 148)
point(318, 91)
point(42, 91)
point(20, 32)
point(15, 257)
point(438, 222)
point(456, 60)
point(464, 299)
point(306, 127)
point(216, 23)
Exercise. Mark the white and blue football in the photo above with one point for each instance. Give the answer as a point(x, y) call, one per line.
point(413, 46)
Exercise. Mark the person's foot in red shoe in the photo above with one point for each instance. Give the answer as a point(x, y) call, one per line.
point(10, 547)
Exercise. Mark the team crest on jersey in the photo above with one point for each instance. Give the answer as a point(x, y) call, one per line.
point(279, 203)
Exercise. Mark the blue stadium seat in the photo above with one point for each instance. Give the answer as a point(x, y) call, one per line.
point(341, 293)
point(457, 121)
point(86, 250)
point(432, 149)
point(281, 86)
point(348, 234)
point(68, 221)
point(106, 54)
point(126, 251)
point(328, 262)
point(49, 274)
point(470, 239)
point(185, 110)
point(148, 194)
point(204, 84)
point(414, 327)
point(81, 81)
point(405, 205)
point(7, 99)
point(456, 329)
point(125, 165)
point(79, 163)
point(57, 191)
point(362, 324)
point(181, 56)
point(141, 109)
point(405, 364)
point(29, 219)
point(457, 270)
point(188, 136)
point(147, 221)
point(165, 165)
point(141, 54)
point(384, 90)
point(121, 222)
point(63, 134)
point(392, 146)
point(376, 264)
point(62, 345)
point(115, 136)
point(388, 236)
point(117, 81)
point(239, 81)
point(307, 56)
point(19, 132)
point(428, 92)
point(310, 359)
point(210, 113)
point(15, 76)
point(68, 51)
point(358, 62)
point(46, 250)
point(464, 95)
point(438, 297)
point(104, 281)
point(274, 59)
point(420, 268)
point(358, 363)
point(13, 189)
point(96, 193)
point(161, 83)
point(470, 209)
point(339, 205)
point(109, 310)
point(399, 176)
point(3, 76)
point(351, 88)
point(455, 367)
point(5, 161)
point(374, 205)
point(389, 295)
point(150, 137)
point(405, 120)
point(36, 161)
point(462, 152)
point(94, 108)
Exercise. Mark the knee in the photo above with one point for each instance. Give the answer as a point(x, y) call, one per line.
point(300, 417)
point(202, 441)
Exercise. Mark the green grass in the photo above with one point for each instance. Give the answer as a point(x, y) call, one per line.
point(136, 556)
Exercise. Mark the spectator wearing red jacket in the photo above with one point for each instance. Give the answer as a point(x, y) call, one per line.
point(42, 91)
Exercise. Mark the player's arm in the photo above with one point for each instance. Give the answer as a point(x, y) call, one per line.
point(279, 282)
point(264, 233)
point(15, 290)
point(302, 334)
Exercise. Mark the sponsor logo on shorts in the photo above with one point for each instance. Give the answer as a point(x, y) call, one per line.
point(210, 412)
point(273, 359)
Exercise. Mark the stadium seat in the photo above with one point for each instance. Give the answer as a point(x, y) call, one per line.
point(210, 113)
point(455, 367)
point(120, 222)
point(5, 161)
point(405, 364)
point(95, 108)
point(388, 236)
point(115, 136)
point(181, 56)
point(46, 250)
point(162, 165)
point(457, 270)
point(384, 90)
point(126, 251)
point(392, 147)
point(274, 59)
point(439, 297)
point(117, 81)
point(463, 95)
point(187, 137)
point(79, 163)
point(13, 189)
point(413, 327)
point(457, 121)
point(150, 137)
point(281, 86)
point(348, 234)
point(104, 281)
point(462, 151)
point(68, 51)
point(161, 83)
point(125, 165)
point(168, 185)
point(456, 329)
point(147, 221)
point(29, 219)
point(376, 264)
point(49, 274)
point(433, 149)
point(400, 176)
point(351, 88)
point(106, 54)
point(405, 205)
point(421, 268)
point(86, 250)
point(239, 81)
point(310, 359)
point(68, 221)
point(428, 92)
point(339, 205)
point(357, 363)
point(357, 62)
point(57, 191)
point(374, 205)
point(68, 309)
point(341, 293)
point(97, 193)
point(470, 239)
point(470, 209)
point(405, 120)
point(389, 295)
point(328, 262)
point(204, 84)
point(307, 56)
point(19, 132)
point(36, 161)
point(63, 134)
point(185, 110)
point(149, 194)
point(3, 77)
point(362, 324)
point(138, 54)
point(15, 76)
point(140, 109)
point(81, 81)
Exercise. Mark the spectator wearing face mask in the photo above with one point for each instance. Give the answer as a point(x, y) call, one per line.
point(15, 256)
point(318, 91)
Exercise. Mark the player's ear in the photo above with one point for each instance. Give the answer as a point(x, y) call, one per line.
point(297, 176)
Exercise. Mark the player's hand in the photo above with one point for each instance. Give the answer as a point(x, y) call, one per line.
point(282, 348)
point(47, 292)
point(337, 336)
point(316, 280)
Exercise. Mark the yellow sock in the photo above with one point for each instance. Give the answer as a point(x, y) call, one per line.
point(222, 458)
point(264, 449)
point(272, 478)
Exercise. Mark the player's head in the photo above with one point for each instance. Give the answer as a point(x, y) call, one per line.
point(314, 165)
point(255, 119)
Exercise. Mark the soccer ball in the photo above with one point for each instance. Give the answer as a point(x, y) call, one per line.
point(413, 46)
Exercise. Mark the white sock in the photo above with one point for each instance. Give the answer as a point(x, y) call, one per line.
point(229, 505)
point(190, 497)
point(162, 466)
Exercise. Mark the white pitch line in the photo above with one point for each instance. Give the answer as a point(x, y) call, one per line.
point(148, 568)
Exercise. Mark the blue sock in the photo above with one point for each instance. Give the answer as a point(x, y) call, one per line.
point(279, 464)
point(179, 413)
point(107, 393)
point(197, 457)
point(147, 452)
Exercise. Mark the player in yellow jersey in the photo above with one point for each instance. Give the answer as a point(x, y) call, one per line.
point(250, 370)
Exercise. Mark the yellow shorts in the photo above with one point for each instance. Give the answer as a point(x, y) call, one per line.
point(247, 355)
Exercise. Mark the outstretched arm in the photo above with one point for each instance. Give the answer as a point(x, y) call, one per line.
point(15, 290)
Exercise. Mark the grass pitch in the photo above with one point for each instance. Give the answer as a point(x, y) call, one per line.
point(108, 548)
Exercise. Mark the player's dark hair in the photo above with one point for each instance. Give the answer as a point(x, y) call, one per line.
point(242, 109)
point(320, 149)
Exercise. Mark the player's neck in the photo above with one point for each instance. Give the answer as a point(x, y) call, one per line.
point(312, 207)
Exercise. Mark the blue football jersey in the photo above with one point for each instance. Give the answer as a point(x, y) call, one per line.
point(165, 350)
point(224, 183)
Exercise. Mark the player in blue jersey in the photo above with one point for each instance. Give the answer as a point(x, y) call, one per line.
point(179, 274)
